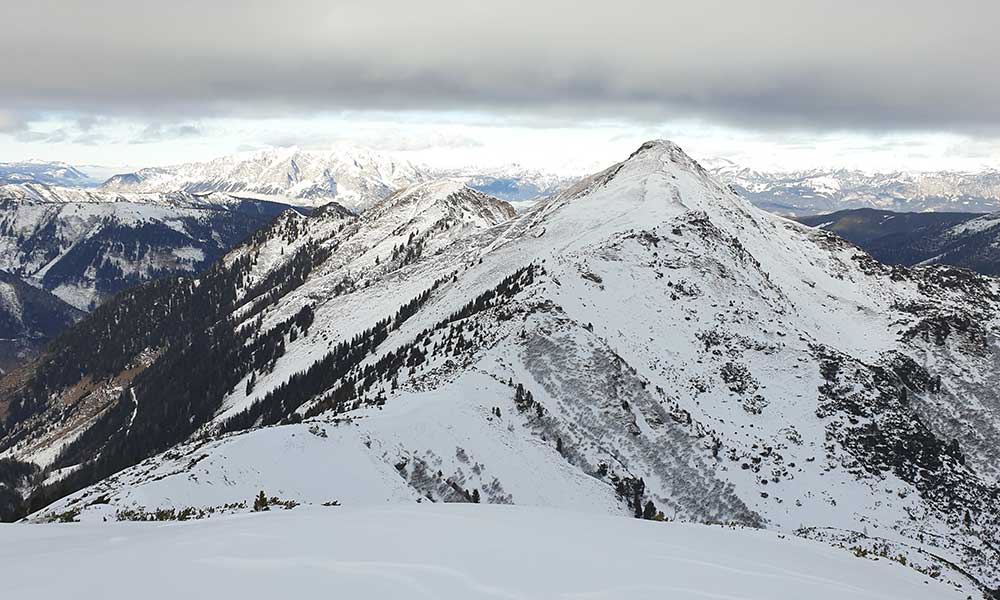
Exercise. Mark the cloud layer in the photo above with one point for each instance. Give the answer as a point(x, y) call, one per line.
point(876, 65)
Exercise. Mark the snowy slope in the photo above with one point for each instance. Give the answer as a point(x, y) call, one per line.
point(645, 342)
point(354, 177)
point(442, 552)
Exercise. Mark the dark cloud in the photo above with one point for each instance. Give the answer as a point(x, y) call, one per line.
point(877, 64)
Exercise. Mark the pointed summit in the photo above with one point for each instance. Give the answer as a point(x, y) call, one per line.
point(658, 145)
point(446, 198)
point(667, 151)
point(657, 180)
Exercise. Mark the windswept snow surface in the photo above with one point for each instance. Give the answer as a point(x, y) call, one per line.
point(442, 552)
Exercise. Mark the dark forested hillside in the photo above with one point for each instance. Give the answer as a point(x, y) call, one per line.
point(29, 319)
point(186, 323)
point(961, 239)
point(116, 377)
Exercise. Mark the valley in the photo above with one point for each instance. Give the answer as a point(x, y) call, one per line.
point(966, 240)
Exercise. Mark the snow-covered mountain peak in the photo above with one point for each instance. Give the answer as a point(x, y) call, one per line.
point(355, 177)
point(666, 151)
point(660, 146)
point(655, 183)
point(448, 196)
point(425, 217)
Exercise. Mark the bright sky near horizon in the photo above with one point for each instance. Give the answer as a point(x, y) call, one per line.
point(453, 141)
point(882, 85)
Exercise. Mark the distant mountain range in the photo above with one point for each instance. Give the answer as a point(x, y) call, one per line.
point(84, 241)
point(358, 177)
point(355, 178)
point(961, 239)
point(820, 191)
point(49, 173)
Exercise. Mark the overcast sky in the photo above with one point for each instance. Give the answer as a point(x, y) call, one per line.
point(552, 83)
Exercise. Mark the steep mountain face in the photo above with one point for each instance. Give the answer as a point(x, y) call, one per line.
point(818, 191)
point(210, 329)
point(355, 178)
point(46, 173)
point(646, 343)
point(962, 239)
point(85, 246)
point(29, 319)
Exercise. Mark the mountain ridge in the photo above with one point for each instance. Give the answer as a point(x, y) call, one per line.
point(353, 177)
point(85, 245)
point(815, 191)
point(44, 172)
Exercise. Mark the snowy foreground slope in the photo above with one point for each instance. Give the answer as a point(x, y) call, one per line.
point(645, 344)
point(442, 552)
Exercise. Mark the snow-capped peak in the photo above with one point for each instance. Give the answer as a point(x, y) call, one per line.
point(354, 177)
point(667, 151)
point(450, 195)
point(660, 146)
